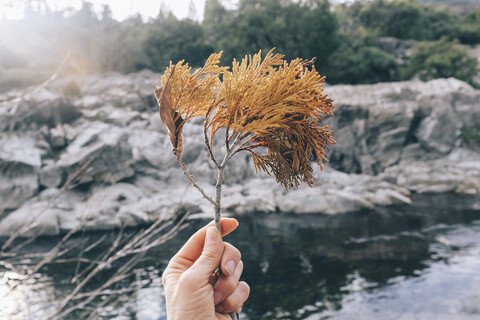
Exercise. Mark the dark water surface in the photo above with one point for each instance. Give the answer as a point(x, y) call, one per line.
point(417, 262)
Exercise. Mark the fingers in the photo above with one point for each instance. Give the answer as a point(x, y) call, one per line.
point(235, 300)
point(210, 257)
point(230, 259)
point(191, 251)
point(226, 285)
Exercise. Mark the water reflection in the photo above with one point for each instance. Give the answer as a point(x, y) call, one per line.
point(418, 262)
point(25, 299)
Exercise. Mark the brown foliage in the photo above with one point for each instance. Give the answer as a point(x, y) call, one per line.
point(185, 95)
point(273, 105)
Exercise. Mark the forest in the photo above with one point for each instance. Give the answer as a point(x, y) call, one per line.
point(357, 42)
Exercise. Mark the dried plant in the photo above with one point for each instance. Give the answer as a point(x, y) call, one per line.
point(270, 108)
point(125, 251)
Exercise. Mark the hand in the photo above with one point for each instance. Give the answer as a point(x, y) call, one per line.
point(192, 291)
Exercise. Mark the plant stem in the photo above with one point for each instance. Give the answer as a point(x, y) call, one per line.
point(217, 207)
point(218, 197)
point(192, 180)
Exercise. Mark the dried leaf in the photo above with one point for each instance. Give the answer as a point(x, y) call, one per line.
point(170, 118)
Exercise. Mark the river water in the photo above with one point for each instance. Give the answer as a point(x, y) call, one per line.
point(410, 262)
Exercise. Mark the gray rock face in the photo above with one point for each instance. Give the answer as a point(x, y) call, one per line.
point(375, 124)
point(104, 160)
point(19, 163)
point(100, 152)
point(36, 110)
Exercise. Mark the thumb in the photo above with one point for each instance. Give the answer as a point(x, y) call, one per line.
point(211, 255)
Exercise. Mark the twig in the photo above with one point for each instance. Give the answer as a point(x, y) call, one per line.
point(192, 180)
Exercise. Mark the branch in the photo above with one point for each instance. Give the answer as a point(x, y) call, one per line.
point(207, 142)
point(239, 139)
point(192, 180)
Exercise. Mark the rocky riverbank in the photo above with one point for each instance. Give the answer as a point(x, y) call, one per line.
point(97, 155)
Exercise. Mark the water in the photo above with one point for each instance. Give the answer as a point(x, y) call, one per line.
point(418, 262)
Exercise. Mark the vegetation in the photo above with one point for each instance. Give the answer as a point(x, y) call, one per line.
point(346, 39)
point(408, 19)
point(72, 90)
point(471, 136)
point(441, 59)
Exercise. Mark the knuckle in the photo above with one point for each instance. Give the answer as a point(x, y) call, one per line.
point(211, 253)
point(186, 279)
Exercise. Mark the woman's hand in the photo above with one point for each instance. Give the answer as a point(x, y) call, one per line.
point(192, 290)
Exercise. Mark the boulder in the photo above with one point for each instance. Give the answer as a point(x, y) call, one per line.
point(50, 175)
point(105, 208)
point(101, 152)
point(375, 125)
point(56, 137)
point(51, 212)
point(36, 110)
point(458, 172)
point(20, 161)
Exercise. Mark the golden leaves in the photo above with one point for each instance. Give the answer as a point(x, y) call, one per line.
point(273, 104)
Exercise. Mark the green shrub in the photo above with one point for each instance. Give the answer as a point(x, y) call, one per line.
point(441, 59)
point(72, 90)
point(361, 65)
point(471, 136)
point(409, 19)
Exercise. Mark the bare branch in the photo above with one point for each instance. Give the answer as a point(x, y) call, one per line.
point(192, 179)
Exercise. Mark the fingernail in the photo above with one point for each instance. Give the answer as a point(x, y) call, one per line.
point(217, 296)
point(230, 267)
point(212, 235)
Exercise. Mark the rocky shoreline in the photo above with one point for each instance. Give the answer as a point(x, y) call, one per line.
point(101, 159)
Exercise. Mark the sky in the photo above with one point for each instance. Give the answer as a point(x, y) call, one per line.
point(121, 9)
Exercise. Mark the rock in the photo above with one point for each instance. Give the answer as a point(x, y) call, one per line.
point(37, 109)
point(439, 130)
point(257, 195)
point(104, 209)
point(51, 175)
point(442, 175)
point(373, 124)
point(19, 163)
point(56, 137)
point(149, 149)
point(52, 212)
point(115, 89)
point(393, 139)
point(33, 219)
point(101, 152)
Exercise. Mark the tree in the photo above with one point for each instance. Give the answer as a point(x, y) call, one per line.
point(408, 19)
point(361, 65)
point(441, 59)
point(301, 29)
point(172, 39)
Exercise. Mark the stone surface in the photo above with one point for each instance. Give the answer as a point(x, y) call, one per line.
point(113, 153)
point(19, 164)
point(51, 175)
point(374, 124)
point(37, 109)
point(100, 152)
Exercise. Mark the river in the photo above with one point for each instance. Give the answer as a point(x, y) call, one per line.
point(408, 262)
